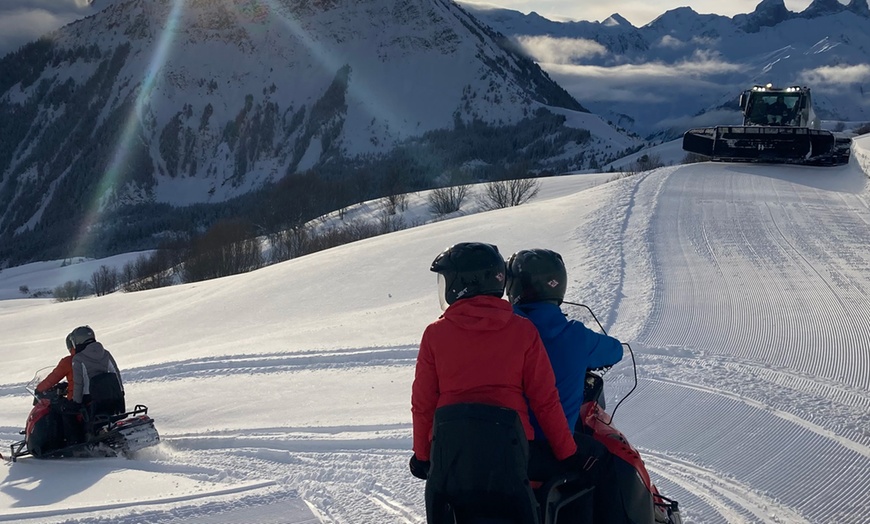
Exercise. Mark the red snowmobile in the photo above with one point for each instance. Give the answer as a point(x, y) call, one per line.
point(478, 472)
point(634, 499)
point(104, 434)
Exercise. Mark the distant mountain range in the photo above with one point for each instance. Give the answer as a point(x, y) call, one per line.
point(113, 126)
point(685, 68)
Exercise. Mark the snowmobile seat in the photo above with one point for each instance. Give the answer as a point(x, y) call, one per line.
point(567, 497)
point(106, 399)
point(479, 467)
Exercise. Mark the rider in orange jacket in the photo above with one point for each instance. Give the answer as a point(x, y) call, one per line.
point(63, 370)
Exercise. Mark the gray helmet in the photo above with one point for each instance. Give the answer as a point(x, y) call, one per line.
point(80, 336)
point(536, 275)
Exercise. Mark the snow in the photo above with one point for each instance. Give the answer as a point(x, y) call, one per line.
point(45, 276)
point(283, 395)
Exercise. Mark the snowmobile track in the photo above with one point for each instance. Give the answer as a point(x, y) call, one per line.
point(733, 501)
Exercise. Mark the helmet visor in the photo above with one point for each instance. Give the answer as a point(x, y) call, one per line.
point(442, 292)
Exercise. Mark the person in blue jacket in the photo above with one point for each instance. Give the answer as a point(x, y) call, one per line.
point(536, 284)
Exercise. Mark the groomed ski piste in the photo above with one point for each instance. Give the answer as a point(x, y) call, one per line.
point(283, 395)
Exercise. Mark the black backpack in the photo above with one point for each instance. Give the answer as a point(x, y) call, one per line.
point(106, 396)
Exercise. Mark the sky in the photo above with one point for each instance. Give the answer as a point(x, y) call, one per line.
point(22, 21)
point(283, 394)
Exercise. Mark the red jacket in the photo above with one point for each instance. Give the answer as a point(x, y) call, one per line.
point(62, 370)
point(480, 351)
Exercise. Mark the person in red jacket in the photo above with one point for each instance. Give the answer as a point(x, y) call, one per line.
point(458, 352)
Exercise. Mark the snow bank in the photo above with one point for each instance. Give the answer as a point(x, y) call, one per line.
point(861, 152)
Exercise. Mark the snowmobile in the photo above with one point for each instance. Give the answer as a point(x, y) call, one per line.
point(478, 471)
point(104, 434)
point(779, 126)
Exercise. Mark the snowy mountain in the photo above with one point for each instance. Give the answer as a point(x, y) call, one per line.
point(283, 395)
point(160, 103)
point(685, 68)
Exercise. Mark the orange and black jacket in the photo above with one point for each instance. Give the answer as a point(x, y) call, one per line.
point(63, 370)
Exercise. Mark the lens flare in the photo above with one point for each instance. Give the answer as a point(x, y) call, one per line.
point(130, 131)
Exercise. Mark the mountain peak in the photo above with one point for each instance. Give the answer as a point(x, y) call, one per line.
point(615, 20)
point(822, 8)
point(767, 14)
point(859, 7)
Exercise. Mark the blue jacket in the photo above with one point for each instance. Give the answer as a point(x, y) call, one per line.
point(572, 348)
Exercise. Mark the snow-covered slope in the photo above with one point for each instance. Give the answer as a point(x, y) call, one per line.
point(742, 289)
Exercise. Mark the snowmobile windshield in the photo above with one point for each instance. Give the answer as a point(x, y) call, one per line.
point(582, 314)
point(38, 377)
point(442, 292)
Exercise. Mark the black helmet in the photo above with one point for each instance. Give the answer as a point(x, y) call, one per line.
point(469, 269)
point(79, 336)
point(536, 275)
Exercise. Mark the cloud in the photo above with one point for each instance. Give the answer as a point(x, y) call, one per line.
point(22, 26)
point(23, 21)
point(670, 42)
point(48, 5)
point(646, 82)
point(708, 119)
point(560, 50)
point(836, 75)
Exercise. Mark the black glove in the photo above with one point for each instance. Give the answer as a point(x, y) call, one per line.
point(419, 468)
point(69, 407)
point(581, 462)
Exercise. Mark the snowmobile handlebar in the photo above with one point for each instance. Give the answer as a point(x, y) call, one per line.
point(55, 392)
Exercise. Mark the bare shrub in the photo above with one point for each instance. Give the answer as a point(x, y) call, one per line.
point(104, 280)
point(646, 162)
point(390, 222)
point(289, 243)
point(693, 158)
point(395, 203)
point(71, 290)
point(148, 272)
point(24, 290)
point(346, 233)
point(303, 240)
point(507, 193)
point(394, 184)
point(227, 248)
point(446, 200)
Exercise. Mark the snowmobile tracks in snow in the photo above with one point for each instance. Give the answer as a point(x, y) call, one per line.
point(276, 362)
point(695, 485)
point(262, 363)
point(200, 507)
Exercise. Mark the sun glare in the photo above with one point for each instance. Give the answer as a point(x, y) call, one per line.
point(247, 12)
point(131, 130)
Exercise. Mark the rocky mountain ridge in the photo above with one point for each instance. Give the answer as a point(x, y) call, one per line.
point(159, 103)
